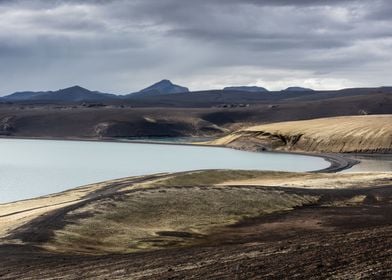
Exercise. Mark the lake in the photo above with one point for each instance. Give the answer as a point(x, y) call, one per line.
point(31, 168)
point(371, 163)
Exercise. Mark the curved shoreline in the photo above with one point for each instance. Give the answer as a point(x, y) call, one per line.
point(338, 162)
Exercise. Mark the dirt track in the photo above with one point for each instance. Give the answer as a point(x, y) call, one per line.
point(345, 241)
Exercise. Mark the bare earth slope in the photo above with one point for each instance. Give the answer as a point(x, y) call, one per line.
point(205, 225)
point(338, 134)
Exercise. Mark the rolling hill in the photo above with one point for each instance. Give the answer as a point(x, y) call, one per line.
point(338, 134)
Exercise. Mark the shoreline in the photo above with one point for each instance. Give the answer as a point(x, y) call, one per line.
point(338, 162)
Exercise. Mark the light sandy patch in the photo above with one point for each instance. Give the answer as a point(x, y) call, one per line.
point(147, 184)
point(18, 213)
point(8, 223)
point(319, 180)
point(15, 214)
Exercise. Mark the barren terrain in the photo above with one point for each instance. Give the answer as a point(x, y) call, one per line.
point(337, 135)
point(215, 224)
point(212, 113)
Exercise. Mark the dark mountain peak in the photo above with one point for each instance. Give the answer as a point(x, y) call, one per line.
point(163, 87)
point(74, 89)
point(246, 89)
point(298, 89)
point(164, 82)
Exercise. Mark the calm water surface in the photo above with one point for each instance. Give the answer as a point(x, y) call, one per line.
point(30, 168)
point(380, 163)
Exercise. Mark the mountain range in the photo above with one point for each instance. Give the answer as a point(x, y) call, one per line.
point(165, 93)
point(80, 94)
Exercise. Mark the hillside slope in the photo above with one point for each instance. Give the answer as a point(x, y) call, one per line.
point(338, 134)
point(193, 226)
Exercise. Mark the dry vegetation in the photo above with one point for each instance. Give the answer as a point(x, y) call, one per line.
point(202, 223)
point(167, 210)
point(338, 134)
point(165, 217)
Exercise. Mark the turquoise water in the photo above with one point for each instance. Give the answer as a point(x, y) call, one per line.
point(31, 168)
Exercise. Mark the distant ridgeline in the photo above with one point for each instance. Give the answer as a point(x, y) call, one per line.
point(246, 89)
point(165, 93)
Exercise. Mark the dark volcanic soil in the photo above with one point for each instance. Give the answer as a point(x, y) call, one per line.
point(178, 118)
point(345, 241)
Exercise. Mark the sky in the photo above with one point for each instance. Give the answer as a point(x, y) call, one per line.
point(122, 46)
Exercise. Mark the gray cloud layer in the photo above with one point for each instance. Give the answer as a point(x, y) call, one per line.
point(122, 46)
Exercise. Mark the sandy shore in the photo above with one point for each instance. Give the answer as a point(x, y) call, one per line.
point(15, 214)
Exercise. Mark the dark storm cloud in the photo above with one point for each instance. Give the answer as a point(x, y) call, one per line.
point(119, 45)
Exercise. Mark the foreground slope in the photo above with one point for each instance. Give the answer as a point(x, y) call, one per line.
point(337, 134)
point(203, 225)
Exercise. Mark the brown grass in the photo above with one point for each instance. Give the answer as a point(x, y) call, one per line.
point(166, 217)
point(337, 134)
point(183, 209)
